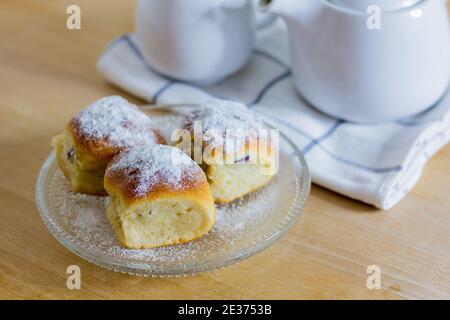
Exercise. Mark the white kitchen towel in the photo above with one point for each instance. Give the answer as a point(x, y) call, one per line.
point(377, 164)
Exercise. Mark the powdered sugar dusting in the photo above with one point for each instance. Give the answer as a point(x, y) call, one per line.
point(168, 125)
point(224, 120)
point(150, 166)
point(116, 122)
point(81, 220)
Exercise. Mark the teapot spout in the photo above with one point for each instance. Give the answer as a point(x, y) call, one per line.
point(303, 12)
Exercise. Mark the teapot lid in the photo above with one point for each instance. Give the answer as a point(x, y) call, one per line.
point(385, 5)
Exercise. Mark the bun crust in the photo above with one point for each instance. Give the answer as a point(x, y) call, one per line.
point(102, 149)
point(95, 135)
point(125, 174)
point(111, 125)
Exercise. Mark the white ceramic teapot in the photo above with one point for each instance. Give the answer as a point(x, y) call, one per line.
point(353, 69)
point(200, 41)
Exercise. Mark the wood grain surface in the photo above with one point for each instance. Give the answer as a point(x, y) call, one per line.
point(48, 73)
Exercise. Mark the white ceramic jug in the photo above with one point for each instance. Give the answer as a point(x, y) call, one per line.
point(353, 69)
point(200, 41)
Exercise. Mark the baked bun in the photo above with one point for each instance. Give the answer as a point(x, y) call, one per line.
point(95, 135)
point(237, 153)
point(158, 197)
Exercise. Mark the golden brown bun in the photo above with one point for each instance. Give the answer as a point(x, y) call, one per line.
point(247, 171)
point(95, 135)
point(124, 174)
point(155, 201)
point(81, 180)
point(102, 149)
point(237, 159)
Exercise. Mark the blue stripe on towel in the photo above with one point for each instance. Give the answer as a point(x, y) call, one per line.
point(327, 134)
point(270, 57)
point(268, 86)
point(162, 90)
point(414, 122)
point(116, 42)
point(421, 118)
point(170, 82)
point(328, 152)
point(359, 165)
point(287, 124)
point(135, 49)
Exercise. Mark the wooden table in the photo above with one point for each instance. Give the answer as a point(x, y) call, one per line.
point(47, 73)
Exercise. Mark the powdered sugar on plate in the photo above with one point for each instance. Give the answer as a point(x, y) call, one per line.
point(84, 216)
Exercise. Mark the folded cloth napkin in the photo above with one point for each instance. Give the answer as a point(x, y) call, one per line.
point(377, 164)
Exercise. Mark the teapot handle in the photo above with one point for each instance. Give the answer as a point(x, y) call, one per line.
point(264, 20)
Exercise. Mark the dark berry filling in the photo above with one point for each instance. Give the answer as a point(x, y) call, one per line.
point(71, 154)
point(243, 160)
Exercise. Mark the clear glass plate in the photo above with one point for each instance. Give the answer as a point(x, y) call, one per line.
point(243, 228)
